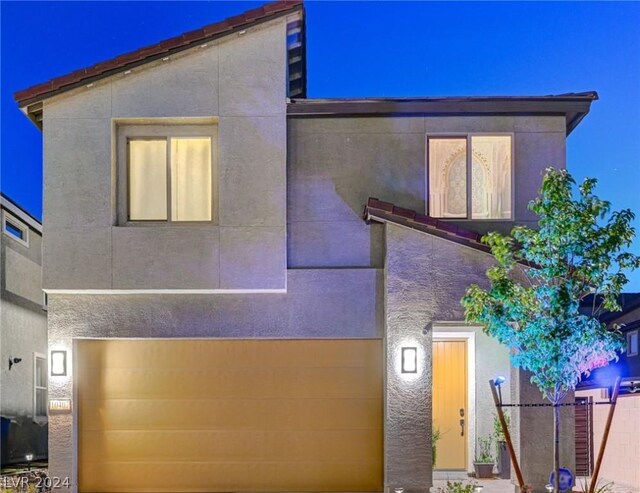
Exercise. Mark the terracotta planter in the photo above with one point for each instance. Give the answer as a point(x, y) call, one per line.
point(483, 470)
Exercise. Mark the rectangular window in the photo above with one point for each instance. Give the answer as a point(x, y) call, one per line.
point(39, 386)
point(15, 228)
point(632, 343)
point(169, 173)
point(469, 177)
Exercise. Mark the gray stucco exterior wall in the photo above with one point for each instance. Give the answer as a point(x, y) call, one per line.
point(23, 334)
point(237, 83)
point(337, 163)
point(321, 303)
point(425, 278)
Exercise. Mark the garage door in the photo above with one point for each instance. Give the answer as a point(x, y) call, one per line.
point(229, 415)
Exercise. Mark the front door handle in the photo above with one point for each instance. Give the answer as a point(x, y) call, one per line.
point(462, 427)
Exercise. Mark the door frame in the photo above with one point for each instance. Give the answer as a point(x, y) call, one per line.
point(470, 338)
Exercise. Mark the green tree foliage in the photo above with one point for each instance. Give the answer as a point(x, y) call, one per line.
point(542, 275)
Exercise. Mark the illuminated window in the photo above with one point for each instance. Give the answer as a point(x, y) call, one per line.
point(15, 229)
point(169, 173)
point(39, 386)
point(632, 343)
point(470, 185)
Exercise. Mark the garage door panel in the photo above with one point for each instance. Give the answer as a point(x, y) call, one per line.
point(259, 415)
point(324, 414)
point(232, 383)
point(235, 446)
point(230, 476)
point(251, 353)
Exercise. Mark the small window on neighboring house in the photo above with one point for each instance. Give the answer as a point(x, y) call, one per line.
point(470, 176)
point(632, 343)
point(170, 173)
point(15, 228)
point(39, 387)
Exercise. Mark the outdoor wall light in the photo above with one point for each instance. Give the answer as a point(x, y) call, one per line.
point(58, 363)
point(409, 360)
point(499, 380)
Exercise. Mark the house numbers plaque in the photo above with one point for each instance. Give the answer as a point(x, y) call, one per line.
point(59, 406)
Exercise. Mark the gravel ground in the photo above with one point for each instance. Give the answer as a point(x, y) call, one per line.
point(34, 481)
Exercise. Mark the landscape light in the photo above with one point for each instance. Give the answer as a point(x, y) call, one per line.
point(499, 380)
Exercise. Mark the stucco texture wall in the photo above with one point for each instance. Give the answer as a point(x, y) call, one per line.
point(23, 333)
point(237, 82)
point(337, 163)
point(320, 303)
point(425, 278)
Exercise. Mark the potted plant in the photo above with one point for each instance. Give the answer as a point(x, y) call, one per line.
point(484, 461)
point(502, 456)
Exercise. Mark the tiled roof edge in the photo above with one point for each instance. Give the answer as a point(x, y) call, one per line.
point(151, 52)
point(386, 211)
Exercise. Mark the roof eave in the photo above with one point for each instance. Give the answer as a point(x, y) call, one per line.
point(574, 107)
point(29, 106)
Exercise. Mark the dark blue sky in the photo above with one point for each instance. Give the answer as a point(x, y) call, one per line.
point(367, 49)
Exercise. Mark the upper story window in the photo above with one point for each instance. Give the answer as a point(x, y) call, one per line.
point(15, 228)
point(168, 173)
point(470, 176)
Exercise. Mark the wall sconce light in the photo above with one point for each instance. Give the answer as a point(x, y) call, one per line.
point(13, 361)
point(409, 360)
point(58, 363)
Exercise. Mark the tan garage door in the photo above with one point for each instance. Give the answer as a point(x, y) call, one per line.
point(230, 415)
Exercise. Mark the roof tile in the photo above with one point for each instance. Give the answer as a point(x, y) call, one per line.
point(378, 209)
point(121, 61)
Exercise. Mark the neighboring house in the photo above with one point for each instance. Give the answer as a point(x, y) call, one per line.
point(221, 316)
point(622, 458)
point(23, 337)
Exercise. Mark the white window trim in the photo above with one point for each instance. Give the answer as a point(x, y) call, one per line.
point(39, 418)
point(468, 136)
point(161, 129)
point(19, 225)
point(630, 334)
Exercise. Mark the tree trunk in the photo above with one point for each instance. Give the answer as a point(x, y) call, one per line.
point(556, 445)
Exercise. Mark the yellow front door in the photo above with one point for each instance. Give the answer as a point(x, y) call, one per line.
point(450, 403)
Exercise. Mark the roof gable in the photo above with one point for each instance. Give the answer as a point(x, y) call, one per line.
point(296, 55)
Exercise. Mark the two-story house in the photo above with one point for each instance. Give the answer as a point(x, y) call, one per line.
point(23, 337)
point(250, 290)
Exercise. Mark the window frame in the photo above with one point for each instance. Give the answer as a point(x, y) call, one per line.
point(40, 418)
point(18, 224)
point(469, 165)
point(630, 334)
point(159, 131)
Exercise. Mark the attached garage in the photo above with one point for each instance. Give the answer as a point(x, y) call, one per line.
point(230, 415)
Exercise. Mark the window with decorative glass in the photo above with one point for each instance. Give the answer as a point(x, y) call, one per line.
point(169, 173)
point(470, 176)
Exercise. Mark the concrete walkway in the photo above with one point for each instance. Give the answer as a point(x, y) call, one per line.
point(489, 485)
point(505, 485)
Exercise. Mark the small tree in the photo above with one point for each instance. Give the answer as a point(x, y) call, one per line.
point(539, 280)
